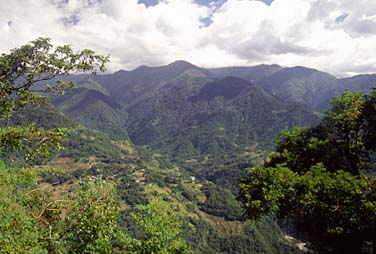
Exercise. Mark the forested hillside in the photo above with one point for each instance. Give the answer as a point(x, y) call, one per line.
point(300, 84)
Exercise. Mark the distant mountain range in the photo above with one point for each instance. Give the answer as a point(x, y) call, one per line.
point(207, 111)
point(199, 116)
point(300, 84)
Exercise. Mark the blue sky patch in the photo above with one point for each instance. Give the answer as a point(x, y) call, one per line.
point(341, 18)
point(70, 21)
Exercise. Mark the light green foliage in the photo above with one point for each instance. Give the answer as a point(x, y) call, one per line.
point(36, 143)
point(91, 224)
point(33, 220)
point(31, 216)
point(160, 228)
point(19, 231)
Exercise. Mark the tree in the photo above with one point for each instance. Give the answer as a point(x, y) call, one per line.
point(33, 219)
point(91, 223)
point(315, 178)
point(30, 217)
point(159, 227)
point(19, 230)
point(22, 73)
point(346, 133)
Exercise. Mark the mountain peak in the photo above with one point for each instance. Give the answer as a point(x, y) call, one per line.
point(183, 67)
point(181, 63)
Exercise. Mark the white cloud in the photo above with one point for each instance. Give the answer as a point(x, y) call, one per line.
point(242, 32)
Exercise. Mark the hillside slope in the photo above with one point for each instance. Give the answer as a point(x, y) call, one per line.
point(91, 105)
point(210, 214)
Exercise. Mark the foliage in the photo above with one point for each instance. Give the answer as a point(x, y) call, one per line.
point(36, 143)
point(19, 231)
point(220, 202)
point(34, 219)
point(346, 133)
point(262, 190)
point(154, 228)
point(91, 223)
point(40, 61)
point(160, 227)
point(314, 178)
point(20, 71)
point(334, 207)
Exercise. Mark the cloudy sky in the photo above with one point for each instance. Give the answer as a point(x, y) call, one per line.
point(337, 36)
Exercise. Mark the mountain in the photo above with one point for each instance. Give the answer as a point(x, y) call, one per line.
point(309, 86)
point(91, 105)
point(201, 112)
point(300, 84)
point(197, 119)
point(249, 73)
point(363, 83)
point(213, 126)
point(129, 86)
point(297, 84)
point(293, 84)
point(195, 114)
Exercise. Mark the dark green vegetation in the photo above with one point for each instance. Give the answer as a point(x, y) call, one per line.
point(95, 110)
point(209, 214)
point(316, 178)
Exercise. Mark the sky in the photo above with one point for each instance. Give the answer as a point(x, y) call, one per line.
point(336, 36)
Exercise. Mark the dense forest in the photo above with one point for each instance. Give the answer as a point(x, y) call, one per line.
point(149, 160)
